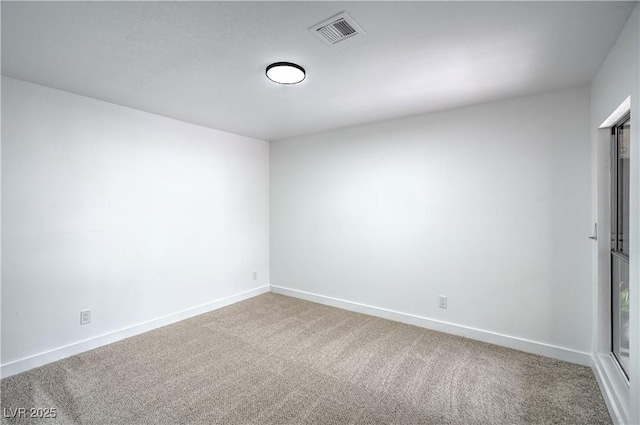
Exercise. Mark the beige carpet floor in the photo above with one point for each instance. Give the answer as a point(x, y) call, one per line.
point(279, 360)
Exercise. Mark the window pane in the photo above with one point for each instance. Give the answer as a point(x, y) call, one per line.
point(620, 316)
point(623, 188)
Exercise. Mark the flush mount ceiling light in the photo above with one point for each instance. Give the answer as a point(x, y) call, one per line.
point(285, 73)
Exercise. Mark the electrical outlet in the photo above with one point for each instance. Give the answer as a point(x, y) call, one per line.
point(85, 317)
point(443, 302)
point(255, 275)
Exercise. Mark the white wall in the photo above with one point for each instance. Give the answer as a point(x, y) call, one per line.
point(129, 214)
point(488, 205)
point(617, 79)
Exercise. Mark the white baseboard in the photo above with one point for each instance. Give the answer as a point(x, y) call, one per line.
point(516, 343)
point(613, 386)
point(21, 365)
point(41, 359)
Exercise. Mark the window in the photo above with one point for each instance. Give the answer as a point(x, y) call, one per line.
point(620, 179)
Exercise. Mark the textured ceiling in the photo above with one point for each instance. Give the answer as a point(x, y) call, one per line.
point(204, 62)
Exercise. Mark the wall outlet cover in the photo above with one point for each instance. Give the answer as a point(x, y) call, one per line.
point(442, 302)
point(85, 317)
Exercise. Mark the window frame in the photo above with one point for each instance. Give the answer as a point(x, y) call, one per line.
point(616, 250)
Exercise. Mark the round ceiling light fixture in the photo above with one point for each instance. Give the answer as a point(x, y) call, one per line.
point(285, 73)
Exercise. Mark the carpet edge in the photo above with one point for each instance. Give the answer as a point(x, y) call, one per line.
point(36, 360)
point(521, 344)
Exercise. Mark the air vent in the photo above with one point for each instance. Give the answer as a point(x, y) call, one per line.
point(336, 29)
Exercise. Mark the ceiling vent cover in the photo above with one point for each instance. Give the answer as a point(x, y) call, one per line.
point(336, 29)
